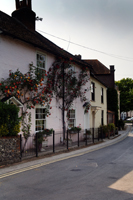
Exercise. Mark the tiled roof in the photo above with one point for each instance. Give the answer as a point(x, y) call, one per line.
point(14, 28)
point(98, 67)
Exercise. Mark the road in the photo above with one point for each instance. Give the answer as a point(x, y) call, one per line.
point(105, 174)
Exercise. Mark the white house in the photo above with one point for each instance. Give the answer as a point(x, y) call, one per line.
point(20, 45)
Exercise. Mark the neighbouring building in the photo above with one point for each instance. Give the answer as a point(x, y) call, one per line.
point(107, 77)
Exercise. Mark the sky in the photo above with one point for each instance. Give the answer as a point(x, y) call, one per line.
point(95, 29)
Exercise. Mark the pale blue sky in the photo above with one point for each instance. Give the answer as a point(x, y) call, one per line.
point(103, 25)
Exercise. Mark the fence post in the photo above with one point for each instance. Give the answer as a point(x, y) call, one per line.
point(67, 139)
point(86, 136)
point(93, 134)
point(78, 138)
point(53, 141)
point(36, 144)
point(20, 146)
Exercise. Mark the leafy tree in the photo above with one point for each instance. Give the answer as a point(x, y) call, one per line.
point(126, 94)
point(112, 102)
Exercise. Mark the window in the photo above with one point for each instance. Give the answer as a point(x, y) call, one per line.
point(71, 122)
point(41, 62)
point(102, 117)
point(40, 120)
point(92, 91)
point(101, 95)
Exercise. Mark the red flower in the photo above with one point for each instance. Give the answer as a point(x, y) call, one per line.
point(0, 84)
point(6, 87)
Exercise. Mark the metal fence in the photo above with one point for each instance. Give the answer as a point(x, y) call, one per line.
point(31, 147)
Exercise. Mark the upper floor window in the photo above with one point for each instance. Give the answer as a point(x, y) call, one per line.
point(101, 95)
point(92, 91)
point(72, 119)
point(41, 62)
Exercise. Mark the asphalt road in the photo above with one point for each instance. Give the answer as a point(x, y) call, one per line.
point(105, 174)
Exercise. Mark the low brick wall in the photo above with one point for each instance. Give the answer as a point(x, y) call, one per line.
point(9, 150)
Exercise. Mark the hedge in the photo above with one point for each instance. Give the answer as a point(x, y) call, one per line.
point(9, 120)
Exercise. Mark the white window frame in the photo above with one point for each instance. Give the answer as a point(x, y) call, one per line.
point(40, 118)
point(72, 118)
point(44, 62)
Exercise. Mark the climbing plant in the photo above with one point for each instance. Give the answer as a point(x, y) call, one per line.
point(67, 84)
point(29, 89)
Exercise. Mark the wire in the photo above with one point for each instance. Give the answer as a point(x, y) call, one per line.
point(112, 55)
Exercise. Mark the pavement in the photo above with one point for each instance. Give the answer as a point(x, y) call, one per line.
point(42, 161)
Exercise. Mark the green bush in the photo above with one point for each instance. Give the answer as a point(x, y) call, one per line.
point(107, 129)
point(9, 120)
point(121, 124)
point(111, 127)
point(3, 130)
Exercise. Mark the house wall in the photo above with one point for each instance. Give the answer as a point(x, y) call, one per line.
point(97, 102)
point(15, 54)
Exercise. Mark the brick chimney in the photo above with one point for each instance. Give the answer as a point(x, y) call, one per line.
point(78, 56)
point(24, 14)
point(112, 72)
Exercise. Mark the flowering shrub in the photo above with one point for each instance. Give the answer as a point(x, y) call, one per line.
point(75, 129)
point(29, 89)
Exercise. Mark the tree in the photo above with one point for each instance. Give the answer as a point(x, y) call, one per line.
point(112, 102)
point(29, 89)
point(67, 85)
point(126, 94)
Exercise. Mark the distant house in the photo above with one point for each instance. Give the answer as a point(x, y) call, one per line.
point(21, 44)
point(98, 98)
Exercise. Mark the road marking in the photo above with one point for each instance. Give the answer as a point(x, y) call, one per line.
point(57, 160)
